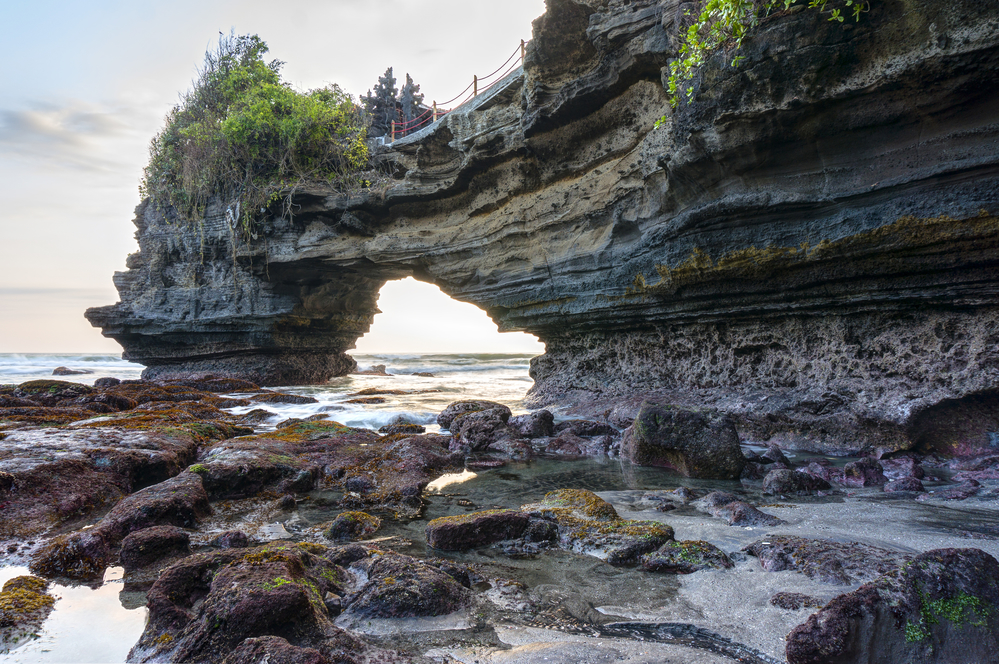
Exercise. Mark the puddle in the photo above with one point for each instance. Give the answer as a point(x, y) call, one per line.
point(86, 624)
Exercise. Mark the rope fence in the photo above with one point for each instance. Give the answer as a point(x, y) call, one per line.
point(478, 85)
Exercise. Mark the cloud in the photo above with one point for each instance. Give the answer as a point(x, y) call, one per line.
point(70, 133)
point(96, 294)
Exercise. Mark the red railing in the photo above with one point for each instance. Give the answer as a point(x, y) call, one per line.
point(476, 87)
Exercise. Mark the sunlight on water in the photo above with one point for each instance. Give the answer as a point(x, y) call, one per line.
point(450, 478)
point(86, 625)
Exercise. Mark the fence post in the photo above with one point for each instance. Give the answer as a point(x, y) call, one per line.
point(393, 131)
point(475, 86)
point(523, 51)
point(435, 111)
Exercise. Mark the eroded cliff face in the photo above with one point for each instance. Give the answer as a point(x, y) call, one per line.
point(810, 245)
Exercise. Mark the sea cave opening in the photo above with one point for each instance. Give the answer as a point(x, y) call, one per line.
point(419, 318)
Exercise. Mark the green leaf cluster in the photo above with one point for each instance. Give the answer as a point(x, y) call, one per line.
point(726, 23)
point(247, 138)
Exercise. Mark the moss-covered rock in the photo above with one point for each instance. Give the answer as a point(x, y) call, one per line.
point(24, 600)
point(352, 525)
point(204, 606)
point(943, 606)
point(470, 531)
point(588, 524)
point(685, 558)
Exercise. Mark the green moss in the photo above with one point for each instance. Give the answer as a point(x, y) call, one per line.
point(276, 583)
point(962, 609)
point(199, 468)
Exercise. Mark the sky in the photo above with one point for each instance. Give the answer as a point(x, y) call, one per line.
point(86, 85)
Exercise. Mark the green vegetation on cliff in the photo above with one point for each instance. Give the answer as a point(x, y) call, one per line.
point(725, 23)
point(248, 139)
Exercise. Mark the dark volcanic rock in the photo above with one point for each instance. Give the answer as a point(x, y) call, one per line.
point(744, 514)
point(51, 392)
point(275, 650)
point(470, 531)
point(794, 601)
point(458, 408)
point(49, 475)
point(904, 484)
point(80, 555)
point(830, 562)
point(943, 607)
point(145, 547)
point(585, 428)
point(352, 526)
point(232, 539)
point(479, 429)
point(65, 371)
point(900, 467)
point(792, 482)
point(538, 424)
point(696, 444)
point(208, 604)
point(864, 472)
point(685, 558)
point(400, 587)
point(402, 428)
point(179, 501)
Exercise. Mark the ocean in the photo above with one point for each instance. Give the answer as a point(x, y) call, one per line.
point(405, 398)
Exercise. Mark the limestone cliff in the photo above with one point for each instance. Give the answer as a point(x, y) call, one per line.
point(810, 245)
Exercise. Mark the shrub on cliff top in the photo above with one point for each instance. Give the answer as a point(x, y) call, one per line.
point(723, 23)
point(243, 135)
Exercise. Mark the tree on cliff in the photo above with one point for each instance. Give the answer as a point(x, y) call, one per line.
point(245, 138)
point(381, 106)
point(411, 100)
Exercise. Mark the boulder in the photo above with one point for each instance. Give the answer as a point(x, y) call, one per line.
point(477, 430)
point(585, 428)
point(351, 526)
point(864, 472)
point(830, 562)
point(905, 484)
point(538, 424)
point(145, 547)
point(696, 444)
point(685, 558)
point(457, 408)
point(179, 501)
point(588, 524)
point(402, 587)
point(943, 607)
point(470, 531)
point(203, 607)
point(794, 601)
point(739, 513)
point(66, 371)
point(784, 482)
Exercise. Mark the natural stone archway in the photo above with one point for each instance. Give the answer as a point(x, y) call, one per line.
point(804, 246)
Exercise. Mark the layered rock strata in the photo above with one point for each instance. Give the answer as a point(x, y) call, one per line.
point(809, 246)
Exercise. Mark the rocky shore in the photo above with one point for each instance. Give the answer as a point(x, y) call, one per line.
point(317, 542)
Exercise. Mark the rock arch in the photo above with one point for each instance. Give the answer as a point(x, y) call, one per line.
point(811, 247)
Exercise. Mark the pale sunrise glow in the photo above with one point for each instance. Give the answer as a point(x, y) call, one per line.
point(418, 317)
